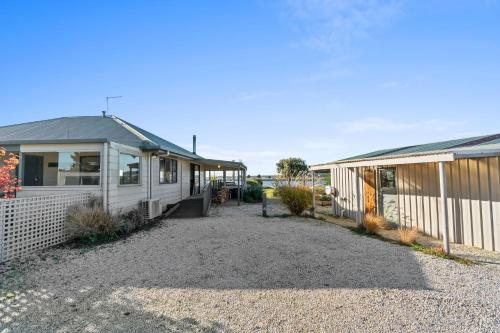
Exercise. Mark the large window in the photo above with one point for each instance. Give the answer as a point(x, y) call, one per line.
point(61, 168)
point(78, 168)
point(168, 171)
point(130, 166)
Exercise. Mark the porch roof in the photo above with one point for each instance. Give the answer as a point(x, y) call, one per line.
point(221, 165)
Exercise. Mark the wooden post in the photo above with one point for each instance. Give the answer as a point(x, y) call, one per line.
point(224, 177)
point(264, 204)
point(239, 187)
point(444, 206)
point(359, 217)
point(314, 196)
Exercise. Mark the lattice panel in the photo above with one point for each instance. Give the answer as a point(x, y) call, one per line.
point(30, 224)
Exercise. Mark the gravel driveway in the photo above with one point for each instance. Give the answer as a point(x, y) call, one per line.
point(235, 271)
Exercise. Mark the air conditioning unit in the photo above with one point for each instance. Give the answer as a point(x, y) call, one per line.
point(151, 208)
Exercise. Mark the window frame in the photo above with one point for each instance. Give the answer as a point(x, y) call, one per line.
point(140, 169)
point(93, 152)
point(174, 180)
point(387, 189)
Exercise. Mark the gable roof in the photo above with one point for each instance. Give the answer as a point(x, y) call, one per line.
point(87, 129)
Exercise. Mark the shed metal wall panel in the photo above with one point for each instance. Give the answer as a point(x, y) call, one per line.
point(473, 187)
point(495, 200)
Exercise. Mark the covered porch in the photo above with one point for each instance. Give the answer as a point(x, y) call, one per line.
point(229, 176)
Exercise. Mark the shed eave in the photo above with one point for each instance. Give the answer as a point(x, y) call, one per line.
point(390, 160)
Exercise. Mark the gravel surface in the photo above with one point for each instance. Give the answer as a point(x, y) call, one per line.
point(237, 272)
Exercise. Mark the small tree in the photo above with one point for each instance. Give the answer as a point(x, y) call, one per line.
point(290, 168)
point(9, 183)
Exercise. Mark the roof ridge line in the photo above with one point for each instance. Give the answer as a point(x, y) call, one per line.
point(32, 122)
point(477, 141)
point(131, 130)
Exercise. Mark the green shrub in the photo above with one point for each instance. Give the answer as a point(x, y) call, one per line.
point(325, 197)
point(91, 221)
point(253, 194)
point(132, 220)
point(296, 199)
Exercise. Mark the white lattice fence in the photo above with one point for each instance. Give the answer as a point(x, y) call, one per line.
point(30, 224)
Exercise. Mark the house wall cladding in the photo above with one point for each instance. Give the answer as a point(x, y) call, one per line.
point(31, 224)
point(473, 187)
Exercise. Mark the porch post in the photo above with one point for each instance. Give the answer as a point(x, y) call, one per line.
point(444, 206)
point(224, 177)
point(239, 187)
point(313, 210)
point(359, 219)
point(332, 193)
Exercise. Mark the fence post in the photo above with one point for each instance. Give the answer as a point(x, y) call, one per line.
point(264, 204)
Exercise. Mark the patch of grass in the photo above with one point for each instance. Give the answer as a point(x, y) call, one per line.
point(439, 252)
point(269, 193)
point(435, 251)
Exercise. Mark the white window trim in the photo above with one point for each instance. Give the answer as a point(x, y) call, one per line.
point(140, 169)
point(176, 172)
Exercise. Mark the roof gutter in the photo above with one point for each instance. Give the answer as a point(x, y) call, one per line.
point(55, 141)
point(442, 156)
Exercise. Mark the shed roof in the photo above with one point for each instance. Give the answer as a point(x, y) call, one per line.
point(87, 129)
point(486, 145)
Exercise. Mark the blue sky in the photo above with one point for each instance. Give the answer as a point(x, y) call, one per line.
point(259, 80)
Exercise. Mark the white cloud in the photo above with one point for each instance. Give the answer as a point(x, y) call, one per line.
point(333, 24)
point(387, 125)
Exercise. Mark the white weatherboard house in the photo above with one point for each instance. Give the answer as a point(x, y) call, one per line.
point(449, 190)
point(108, 157)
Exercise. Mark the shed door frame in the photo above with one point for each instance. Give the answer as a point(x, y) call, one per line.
point(370, 191)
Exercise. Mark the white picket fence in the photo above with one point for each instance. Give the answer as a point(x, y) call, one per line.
point(35, 223)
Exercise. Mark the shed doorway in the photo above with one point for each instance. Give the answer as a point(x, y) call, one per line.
point(388, 194)
point(370, 198)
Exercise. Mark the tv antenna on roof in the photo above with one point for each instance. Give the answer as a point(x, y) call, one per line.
point(107, 101)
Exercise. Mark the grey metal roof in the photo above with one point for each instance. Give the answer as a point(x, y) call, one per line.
point(430, 147)
point(85, 129)
point(211, 164)
point(164, 144)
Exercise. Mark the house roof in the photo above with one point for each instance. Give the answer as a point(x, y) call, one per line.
point(87, 129)
point(486, 145)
